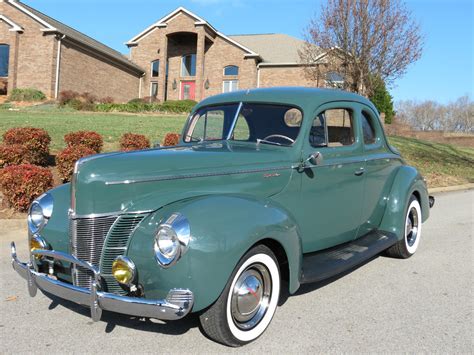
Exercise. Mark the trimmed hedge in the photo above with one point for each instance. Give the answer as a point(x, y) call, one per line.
point(21, 184)
point(26, 95)
point(35, 140)
point(171, 139)
point(138, 105)
point(14, 154)
point(89, 139)
point(66, 159)
point(132, 141)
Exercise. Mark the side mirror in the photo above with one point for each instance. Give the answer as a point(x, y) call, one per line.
point(315, 158)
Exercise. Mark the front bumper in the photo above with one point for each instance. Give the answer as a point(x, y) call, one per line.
point(177, 304)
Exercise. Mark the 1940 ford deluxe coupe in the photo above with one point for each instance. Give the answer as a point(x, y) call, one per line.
point(265, 186)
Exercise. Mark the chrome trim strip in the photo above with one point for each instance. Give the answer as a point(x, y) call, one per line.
point(197, 175)
point(177, 304)
point(108, 214)
point(234, 122)
point(347, 162)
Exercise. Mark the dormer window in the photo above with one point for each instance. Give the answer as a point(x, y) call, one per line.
point(231, 70)
point(155, 68)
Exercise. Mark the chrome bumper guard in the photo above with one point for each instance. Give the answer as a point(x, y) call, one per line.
point(177, 304)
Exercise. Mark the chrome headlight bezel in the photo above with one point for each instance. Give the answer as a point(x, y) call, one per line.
point(42, 207)
point(177, 229)
point(131, 267)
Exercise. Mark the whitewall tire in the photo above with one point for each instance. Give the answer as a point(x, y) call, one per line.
point(247, 305)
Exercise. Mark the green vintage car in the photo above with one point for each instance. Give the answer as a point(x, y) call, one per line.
point(268, 187)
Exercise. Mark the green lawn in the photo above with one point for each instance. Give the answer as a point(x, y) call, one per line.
point(441, 164)
point(110, 126)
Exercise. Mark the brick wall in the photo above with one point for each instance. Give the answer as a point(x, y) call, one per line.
point(33, 65)
point(85, 71)
point(285, 76)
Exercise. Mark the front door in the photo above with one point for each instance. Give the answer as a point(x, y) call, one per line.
point(188, 90)
point(332, 192)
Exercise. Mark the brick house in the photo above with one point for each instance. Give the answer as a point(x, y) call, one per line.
point(181, 56)
point(187, 57)
point(39, 52)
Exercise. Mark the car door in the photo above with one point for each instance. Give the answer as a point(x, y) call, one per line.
point(332, 191)
point(381, 167)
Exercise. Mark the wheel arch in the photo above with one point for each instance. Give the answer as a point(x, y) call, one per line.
point(407, 182)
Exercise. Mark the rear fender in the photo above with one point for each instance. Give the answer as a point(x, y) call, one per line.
point(407, 182)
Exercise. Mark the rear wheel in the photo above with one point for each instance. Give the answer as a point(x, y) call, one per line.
point(409, 244)
point(247, 305)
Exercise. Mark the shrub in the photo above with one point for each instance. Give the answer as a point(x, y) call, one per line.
point(136, 101)
point(21, 184)
point(89, 139)
point(14, 154)
point(181, 106)
point(26, 95)
point(35, 140)
point(66, 159)
point(77, 101)
point(171, 139)
point(132, 141)
point(106, 100)
point(140, 105)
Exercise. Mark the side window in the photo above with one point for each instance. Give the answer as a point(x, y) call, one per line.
point(368, 128)
point(317, 135)
point(241, 130)
point(333, 128)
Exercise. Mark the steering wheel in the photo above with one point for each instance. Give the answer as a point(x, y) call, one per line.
point(279, 136)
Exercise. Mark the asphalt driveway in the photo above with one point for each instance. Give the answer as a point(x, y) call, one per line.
point(423, 304)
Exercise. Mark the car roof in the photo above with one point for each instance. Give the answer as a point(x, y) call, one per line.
point(304, 97)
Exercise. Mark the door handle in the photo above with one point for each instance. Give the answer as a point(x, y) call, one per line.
point(359, 172)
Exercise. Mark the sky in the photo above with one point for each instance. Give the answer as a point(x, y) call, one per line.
point(444, 73)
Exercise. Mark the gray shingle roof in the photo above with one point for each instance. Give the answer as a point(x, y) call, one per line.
point(84, 39)
point(273, 47)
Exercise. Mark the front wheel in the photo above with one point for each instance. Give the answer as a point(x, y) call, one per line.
point(247, 305)
point(406, 247)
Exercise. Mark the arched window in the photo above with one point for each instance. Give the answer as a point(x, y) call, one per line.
point(4, 57)
point(155, 68)
point(188, 65)
point(231, 70)
point(334, 80)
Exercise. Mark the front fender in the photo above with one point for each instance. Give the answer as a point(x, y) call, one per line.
point(223, 228)
point(407, 182)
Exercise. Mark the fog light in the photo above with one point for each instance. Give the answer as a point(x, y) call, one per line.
point(36, 243)
point(123, 269)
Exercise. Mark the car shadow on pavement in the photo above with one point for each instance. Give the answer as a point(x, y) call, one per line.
point(114, 320)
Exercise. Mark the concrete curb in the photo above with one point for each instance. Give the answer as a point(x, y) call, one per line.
point(451, 188)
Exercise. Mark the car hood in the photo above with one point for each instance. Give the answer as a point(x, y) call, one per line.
point(149, 179)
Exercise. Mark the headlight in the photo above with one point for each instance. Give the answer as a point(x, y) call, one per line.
point(172, 239)
point(123, 270)
point(39, 213)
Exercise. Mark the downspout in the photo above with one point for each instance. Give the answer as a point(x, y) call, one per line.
point(58, 63)
point(140, 86)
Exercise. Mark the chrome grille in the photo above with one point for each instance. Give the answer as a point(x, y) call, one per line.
point(87, 237)
point(116, 244)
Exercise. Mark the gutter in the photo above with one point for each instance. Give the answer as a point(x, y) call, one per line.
point(58, 64)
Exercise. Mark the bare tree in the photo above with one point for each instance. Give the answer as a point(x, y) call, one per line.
point(361, 40)
point(457, 116)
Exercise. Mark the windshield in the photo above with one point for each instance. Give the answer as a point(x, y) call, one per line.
point(247, 122)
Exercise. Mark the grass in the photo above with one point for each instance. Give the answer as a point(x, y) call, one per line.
point(440, 164)
point(110, 126)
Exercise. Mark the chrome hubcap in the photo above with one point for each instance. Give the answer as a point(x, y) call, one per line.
point(251, 296)
point(411, 229)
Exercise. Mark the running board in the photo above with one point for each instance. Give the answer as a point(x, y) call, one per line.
point(333, 261)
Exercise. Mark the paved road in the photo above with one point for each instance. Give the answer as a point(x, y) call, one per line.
point(423, 304)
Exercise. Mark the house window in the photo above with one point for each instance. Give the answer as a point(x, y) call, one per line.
point(230, 85)
point(231, 70)
point(188, 65)
point(154, 90)
point(334, 80)
point(155, 68)
point(4, 56)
